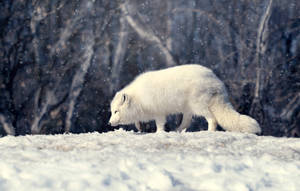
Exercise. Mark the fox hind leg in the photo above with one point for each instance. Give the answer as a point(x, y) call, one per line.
point(185, 123)
point(202, 110)
point(160, 124)
point(212, 123)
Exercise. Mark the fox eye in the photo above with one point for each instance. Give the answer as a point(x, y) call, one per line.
point(116, 112)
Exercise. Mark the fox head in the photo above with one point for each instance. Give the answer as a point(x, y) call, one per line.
point(120, 110)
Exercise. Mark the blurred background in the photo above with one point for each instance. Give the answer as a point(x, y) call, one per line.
point(61, 62)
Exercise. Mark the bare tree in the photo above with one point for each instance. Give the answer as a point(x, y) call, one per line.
point(261, 47)
point(78, 79)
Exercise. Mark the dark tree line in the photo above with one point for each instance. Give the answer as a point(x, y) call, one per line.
point(62, 61)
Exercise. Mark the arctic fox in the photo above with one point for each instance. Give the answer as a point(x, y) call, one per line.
point(188, 89)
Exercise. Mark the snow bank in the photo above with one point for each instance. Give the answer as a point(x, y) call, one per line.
point(123, 160)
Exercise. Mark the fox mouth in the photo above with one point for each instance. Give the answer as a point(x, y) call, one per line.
point(114, 124)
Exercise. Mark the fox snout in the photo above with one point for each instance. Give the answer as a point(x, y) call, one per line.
point(112, 122)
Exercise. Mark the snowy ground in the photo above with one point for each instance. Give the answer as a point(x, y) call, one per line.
point(123, 160)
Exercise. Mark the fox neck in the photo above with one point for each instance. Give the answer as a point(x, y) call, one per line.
point(137, 111)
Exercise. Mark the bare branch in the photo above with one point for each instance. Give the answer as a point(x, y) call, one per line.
point(65, 35)
point(261, 45)
point(146, 34)
point(119, 54)
point(7, 126)
point(290, 109)
point(39, 113)
point(39, 14)
point(222, 24)
point(169, 27)
point(204, 13)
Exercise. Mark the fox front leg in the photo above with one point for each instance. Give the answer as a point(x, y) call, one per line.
point(138, 126)
point(160, 124)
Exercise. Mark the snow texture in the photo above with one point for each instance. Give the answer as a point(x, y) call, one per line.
point(122, 160)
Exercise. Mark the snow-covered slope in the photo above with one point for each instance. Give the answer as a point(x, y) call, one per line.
point(123, 160)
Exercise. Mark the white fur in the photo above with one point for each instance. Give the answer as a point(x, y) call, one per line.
point(187, 89)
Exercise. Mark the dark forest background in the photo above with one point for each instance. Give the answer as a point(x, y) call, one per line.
point(62, 61)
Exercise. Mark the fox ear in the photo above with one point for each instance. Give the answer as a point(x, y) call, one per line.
point(125, 98)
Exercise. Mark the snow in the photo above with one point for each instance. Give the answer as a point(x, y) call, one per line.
point(122, 160)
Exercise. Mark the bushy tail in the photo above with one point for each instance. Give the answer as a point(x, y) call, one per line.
point(231, 120)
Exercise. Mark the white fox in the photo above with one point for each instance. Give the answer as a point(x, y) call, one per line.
point(187, 89)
